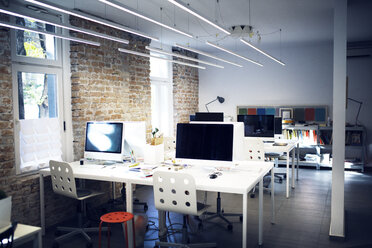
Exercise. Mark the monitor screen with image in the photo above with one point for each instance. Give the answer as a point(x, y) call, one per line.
point(104, 141)
point(257, 125)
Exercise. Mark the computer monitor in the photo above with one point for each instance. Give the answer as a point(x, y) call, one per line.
point(257, 125)
point(278, 125)
point(215, 143)
point(104, 141)
point(208, 116)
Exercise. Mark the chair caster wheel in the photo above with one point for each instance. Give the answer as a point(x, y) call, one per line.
point(55, 245)
point(229, 227)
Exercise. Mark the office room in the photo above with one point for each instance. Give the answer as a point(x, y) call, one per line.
point(143, 67)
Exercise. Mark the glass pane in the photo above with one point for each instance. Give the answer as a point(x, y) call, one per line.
point(37, 95)
point(159, 68)
point(30, 44)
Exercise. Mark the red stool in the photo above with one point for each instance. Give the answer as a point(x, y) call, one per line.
point(116, 217)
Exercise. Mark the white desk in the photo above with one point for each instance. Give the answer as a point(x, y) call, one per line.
point(26, 233)
point(291, 145)
point(239, 180)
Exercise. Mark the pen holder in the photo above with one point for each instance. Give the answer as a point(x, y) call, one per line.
point(154, 154)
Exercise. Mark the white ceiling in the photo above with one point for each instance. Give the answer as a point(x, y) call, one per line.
point(301, 21)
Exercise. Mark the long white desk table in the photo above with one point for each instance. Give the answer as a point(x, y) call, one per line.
point(239, 180)
point(291, 146)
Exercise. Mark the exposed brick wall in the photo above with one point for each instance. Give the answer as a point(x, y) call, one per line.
point(108, 84)
point(23, 189)
point(185, 89)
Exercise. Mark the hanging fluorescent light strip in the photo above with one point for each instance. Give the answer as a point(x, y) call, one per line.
point(194, 13)
point(140, 15)
point(65, 37)
point(150, 56)
point(90, 18)
point(206, 54)
point(80, 30)
point(231, 52)
point(259, 50)
point(181, 56)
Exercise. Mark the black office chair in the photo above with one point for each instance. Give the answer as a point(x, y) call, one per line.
point(7, 236)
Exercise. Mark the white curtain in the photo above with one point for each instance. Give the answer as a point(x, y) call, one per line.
point(40, 141)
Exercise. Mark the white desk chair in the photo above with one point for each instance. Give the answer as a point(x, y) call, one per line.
point(63, 183)
point(176, 192)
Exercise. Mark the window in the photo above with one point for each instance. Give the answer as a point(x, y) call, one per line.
point(37, 96)
point(161, 96)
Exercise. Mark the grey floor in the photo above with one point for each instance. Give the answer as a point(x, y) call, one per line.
point(302, 220)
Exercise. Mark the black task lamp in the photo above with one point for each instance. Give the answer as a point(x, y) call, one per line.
point(360, 105)
point(219, 98)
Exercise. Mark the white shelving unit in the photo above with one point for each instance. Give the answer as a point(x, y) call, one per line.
point(317, 142)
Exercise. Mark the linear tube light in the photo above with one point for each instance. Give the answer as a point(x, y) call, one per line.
point(231, 52)
point(206, 54)
point(150, 56)
point(90, 18)
point(259, 50)
point(65, 37)
point(182, 56)
point(194, 13)
point(69, 27)
point(140, 15)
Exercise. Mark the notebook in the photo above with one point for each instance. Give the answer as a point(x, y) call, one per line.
point(5, 211)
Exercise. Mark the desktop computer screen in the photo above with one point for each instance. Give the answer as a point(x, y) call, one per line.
point(205, 141)
point(104, 141)
point(278, 125)
point(208, 116)
point(257, 125)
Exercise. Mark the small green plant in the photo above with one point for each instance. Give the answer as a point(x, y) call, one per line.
point(154, 132)
point(2, 194)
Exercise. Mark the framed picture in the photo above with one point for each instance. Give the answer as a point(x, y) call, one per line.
point(286, 113)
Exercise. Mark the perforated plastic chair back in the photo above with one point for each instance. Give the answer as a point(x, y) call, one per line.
point(63, 180)
point(175, 192)
point(255, 149)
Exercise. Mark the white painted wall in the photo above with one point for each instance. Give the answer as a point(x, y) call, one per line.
point(360, 88)
point(305, 80)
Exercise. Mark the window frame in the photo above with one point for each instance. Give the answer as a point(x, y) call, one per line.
point(16, 67)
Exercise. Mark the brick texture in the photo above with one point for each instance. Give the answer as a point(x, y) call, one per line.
point(185, 89)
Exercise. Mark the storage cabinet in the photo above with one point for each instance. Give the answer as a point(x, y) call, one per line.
point(316, 145)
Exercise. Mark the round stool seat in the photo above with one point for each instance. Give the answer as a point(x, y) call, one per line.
point(116, 217)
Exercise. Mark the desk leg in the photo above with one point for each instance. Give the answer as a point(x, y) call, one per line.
point(287, 181)
point(42, 209)
point(162, 224)
point(298, 159)
point(245, 219)
point(129, 196)
point(272, 196)
point(293, 167)
point(37, 243)
point(260, 212)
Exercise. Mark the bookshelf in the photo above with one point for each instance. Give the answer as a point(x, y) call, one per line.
point(316, 145)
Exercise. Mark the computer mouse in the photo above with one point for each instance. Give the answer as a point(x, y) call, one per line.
point(212, 176)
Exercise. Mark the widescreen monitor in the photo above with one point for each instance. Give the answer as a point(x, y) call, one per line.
point(209, 116)
point(104, 141)
point(278, 125)
point(257, 125)
point(205, 141)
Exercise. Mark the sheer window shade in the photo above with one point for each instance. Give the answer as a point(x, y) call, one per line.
point(39, 143)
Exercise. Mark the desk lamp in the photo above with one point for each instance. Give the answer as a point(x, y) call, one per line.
point(219, 98)
point(360, 105)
